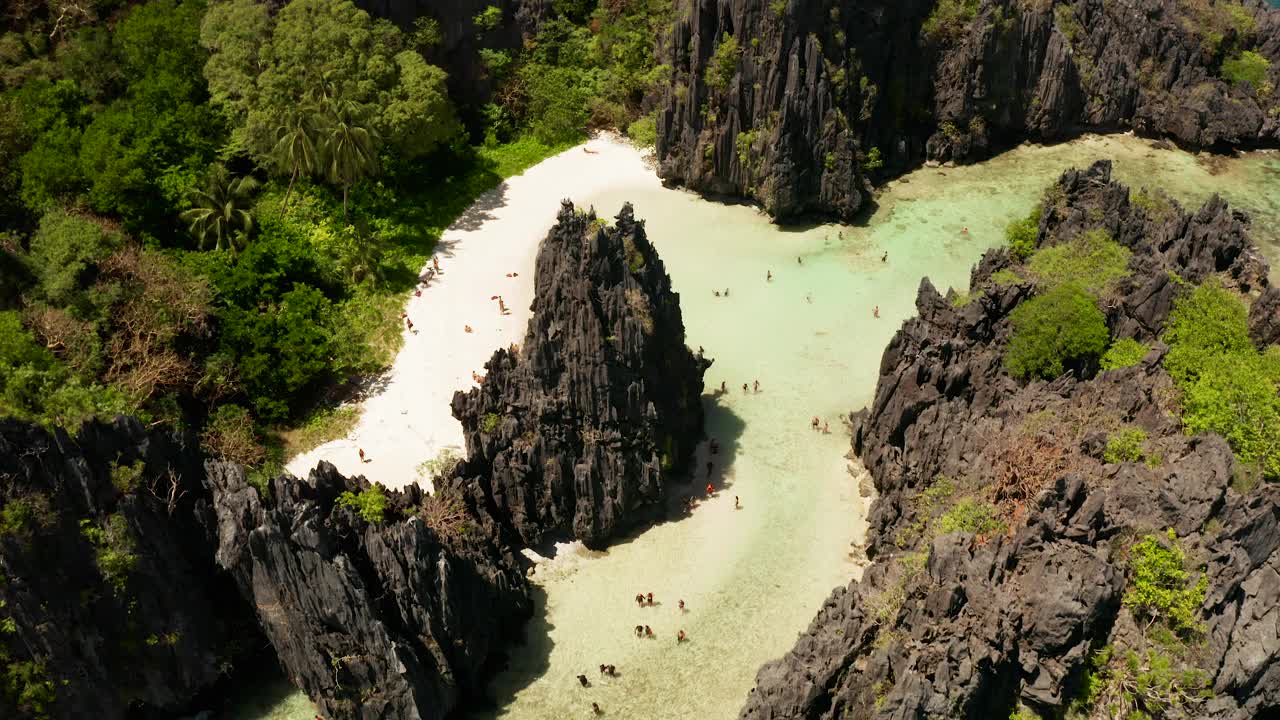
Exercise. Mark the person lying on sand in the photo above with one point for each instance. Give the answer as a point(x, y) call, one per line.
point(589, 151)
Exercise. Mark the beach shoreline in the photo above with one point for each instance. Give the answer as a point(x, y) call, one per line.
point(489, 251)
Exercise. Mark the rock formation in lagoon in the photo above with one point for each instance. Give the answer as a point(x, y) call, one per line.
point(573, 431)
point(958, 617)
point(800, 104)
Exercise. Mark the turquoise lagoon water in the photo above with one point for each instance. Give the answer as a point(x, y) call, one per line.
point(754, 577)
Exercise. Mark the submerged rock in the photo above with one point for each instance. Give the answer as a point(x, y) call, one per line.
point(1002, 529)
point(576, 430)
point(801, 105)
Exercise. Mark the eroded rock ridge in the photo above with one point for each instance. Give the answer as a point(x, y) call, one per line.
point(958, 622)
point(801, 105)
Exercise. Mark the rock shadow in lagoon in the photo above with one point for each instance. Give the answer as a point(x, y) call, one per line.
point(754, 577)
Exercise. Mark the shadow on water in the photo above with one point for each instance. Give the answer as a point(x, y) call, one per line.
point(536, 645)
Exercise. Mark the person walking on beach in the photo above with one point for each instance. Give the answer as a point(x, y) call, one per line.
point(361, 454)
point(639, 599)
point(583, 681)
point(826, 428)
point(648, 632)
point(885, 257)
point(799, 261)
point(736, 505)
point(768, 276)
point(726, 292)
point(680, 636)
point(709, 466)
point(682, 605)
point(435, 262)
point(723, 388)
point(757, 386)
point(876, 311)
point(650, 599)
point(813, 424)
point(639, 631)
point(710, 488)
point(744, 387)
point(595, 709)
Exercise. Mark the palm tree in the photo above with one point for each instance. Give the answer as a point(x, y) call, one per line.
point(219, 210)
point(295, 148)
point(348, 150)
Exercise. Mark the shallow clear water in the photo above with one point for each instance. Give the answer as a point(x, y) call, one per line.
point(753, 577)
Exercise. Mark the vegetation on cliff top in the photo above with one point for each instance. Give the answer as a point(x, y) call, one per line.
point(190, 219)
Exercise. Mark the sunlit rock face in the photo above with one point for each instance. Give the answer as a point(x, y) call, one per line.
point(576, 431)
point(968, 624)
point(820, 100)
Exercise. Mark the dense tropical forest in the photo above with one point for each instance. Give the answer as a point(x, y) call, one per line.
point(210, 209)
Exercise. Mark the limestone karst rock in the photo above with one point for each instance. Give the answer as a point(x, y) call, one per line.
point(573, 431)
point(820, 99)
point(965, 625)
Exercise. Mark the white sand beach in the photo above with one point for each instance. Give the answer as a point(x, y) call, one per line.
point(408, 420)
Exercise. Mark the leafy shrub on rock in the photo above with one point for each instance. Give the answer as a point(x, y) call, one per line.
point(371, 504)
point(1091, 260)
point(1123, 353)
point(1125, 445)
point(1051, 332)
point(1228, 386)
point(1158, 588)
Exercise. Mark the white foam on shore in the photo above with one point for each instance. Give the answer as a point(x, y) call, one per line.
point(409, 420)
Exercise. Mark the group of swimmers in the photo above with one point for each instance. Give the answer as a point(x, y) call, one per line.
point(642, 631)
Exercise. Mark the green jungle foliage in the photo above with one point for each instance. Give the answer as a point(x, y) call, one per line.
point(210, 212)
point(1228, 386)
point(1061, 328)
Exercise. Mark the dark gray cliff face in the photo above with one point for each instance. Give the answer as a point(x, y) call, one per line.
point(397, 619)
point(574, 430)
point(826, 98)
point(953, 625)
point(460, 38)
point(400, 619)
point(167, 628)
